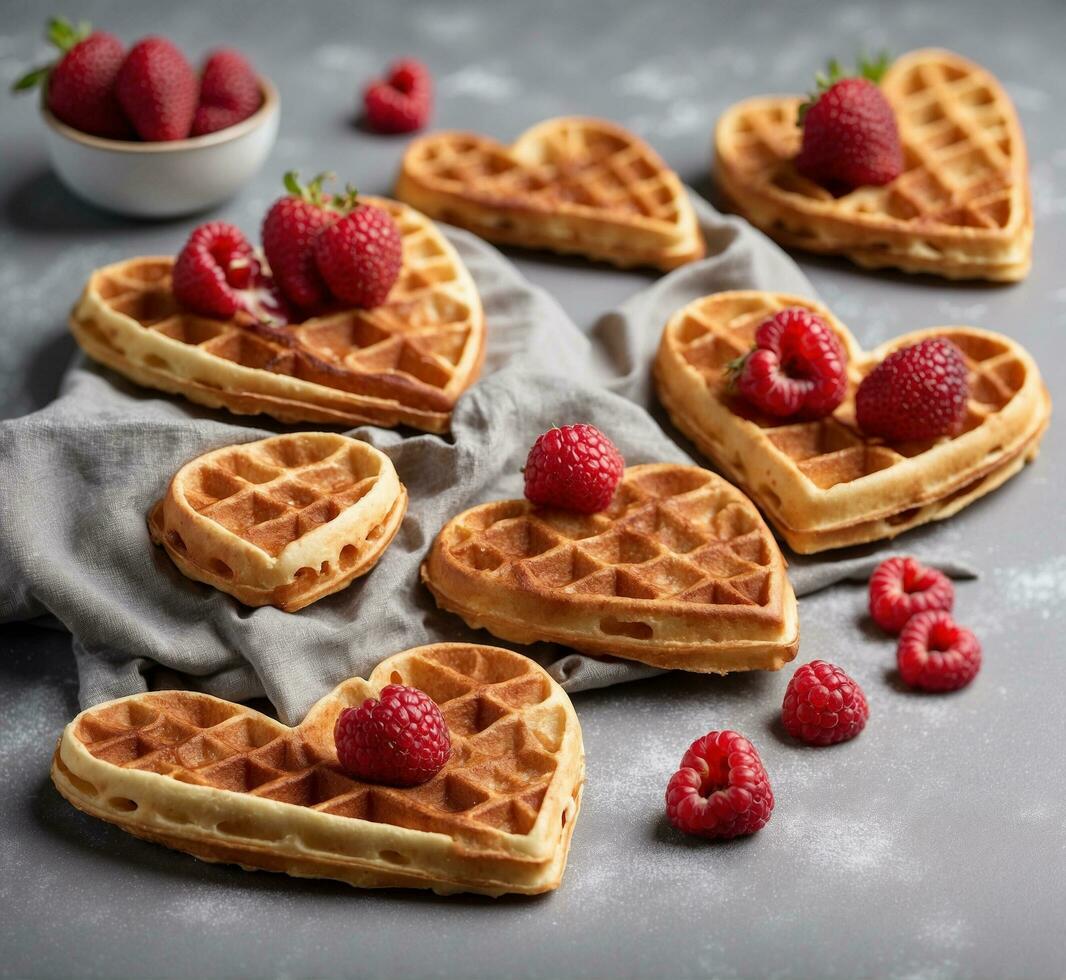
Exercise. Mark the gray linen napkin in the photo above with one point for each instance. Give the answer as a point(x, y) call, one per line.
point(77, 478)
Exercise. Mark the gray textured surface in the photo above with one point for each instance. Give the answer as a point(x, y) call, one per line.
point(932, 846)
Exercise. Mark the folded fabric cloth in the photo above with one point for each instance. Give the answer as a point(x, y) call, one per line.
point(77, 479)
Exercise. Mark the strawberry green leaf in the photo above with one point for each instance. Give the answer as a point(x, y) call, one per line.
point(31, 79)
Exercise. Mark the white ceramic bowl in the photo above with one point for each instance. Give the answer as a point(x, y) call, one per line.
point(164, 180)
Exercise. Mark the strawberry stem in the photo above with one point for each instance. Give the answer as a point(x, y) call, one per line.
point(872, 69)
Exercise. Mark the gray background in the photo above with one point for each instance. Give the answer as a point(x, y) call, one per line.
point(932, 846)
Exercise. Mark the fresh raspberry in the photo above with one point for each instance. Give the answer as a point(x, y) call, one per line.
point(289, 231)
point(935, 654)
point(901, 587)
point(400, 739)
point(850, 134)
point(402, 101)
point(229, 92)
point(576, 468)
point(217, 274)
point(360, 255)
point(823, 705)
point(158, 89)
point(721, 789)
point(918, 392)
point(797, 368)
point(81, 84)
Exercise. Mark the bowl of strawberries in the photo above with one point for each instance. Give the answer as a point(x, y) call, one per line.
point(141, 132)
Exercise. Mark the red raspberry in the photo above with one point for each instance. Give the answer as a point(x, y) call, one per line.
point(158, 90)
point(359, 256)
point(80, 86)
point(402, 101)
point(850, 134)
point(823, 705)
point(229, 92)
point(796, 369)
point(901, 587)
point(918, 392)
point(935, 654)
point(721, 789)
point(576, 468)
point(217, 274)
point(400, 739)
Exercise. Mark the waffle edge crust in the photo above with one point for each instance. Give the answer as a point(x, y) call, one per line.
point(961, 209)
point(823, 484)
point(282, 521)
point(572, 185)
point(402, 363)
point(679, 572)
point(228, 784)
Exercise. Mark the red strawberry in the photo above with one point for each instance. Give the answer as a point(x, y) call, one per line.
point(402, 101)
point(289, 231)
point(797, 368)
point(81, 84)
point(918, 392)
point(157, 89)
point(850, 134)
point(360, 255)
point(218, 275)
point(229, 92)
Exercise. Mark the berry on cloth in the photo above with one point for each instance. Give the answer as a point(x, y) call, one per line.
point(288, 234)
point(359, 255)
point(229, 92)
point(721, 789)
point(901, 587)
point(81, 84)
point(158, 90)
point(399, 739)
point(935, 654)
point(918, 392)
point(217, 274)
point(575, 468)
point(797, 368)
point(850, 133)
point(823, 705)
point(400, 102)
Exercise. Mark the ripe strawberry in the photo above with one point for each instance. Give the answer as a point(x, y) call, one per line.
point(918, 392)
point(289, 231)
point(81, 84)
point(400, 739)
point(575, 468)
point(218, 275)
point(360, 255)
point(157, 89)
point(796, 368)
point(229, 92)
point(402, 101)
point(850, 134)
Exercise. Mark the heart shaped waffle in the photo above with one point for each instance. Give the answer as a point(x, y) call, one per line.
point(680, 571)
point(960, 209)
point(402, 363)
point(283, 521)
point(226, 783)
point(572, 185)
point(823, 484)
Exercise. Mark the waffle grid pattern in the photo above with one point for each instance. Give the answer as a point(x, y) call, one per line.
point(662, 538)
point(581, 167)
point(833, 450)
point(503, 748)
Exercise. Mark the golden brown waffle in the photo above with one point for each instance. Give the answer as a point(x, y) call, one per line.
point(283, 521)
point(960, 209)
point(228, 784)
point(402, 363)
point(680, 572)
point(572, 185)
point(823, 484)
